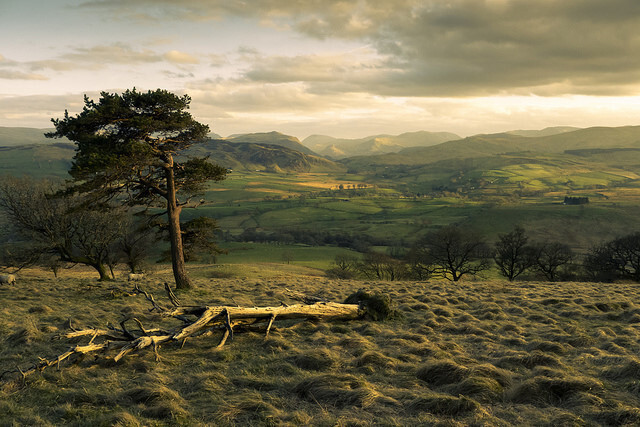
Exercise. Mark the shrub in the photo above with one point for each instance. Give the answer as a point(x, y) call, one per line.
point(377, 306)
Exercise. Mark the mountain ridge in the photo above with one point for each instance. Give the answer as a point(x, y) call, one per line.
point(486, 145)
point(338, 148)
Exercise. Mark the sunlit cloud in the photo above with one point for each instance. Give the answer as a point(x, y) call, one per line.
point(178, 57)
point(342, 67)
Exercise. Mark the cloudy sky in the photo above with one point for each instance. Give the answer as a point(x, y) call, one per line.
point(343, 68)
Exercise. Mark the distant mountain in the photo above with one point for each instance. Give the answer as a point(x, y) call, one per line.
point(543, 132)
point(27, 151)
point(492, 144)
point(273, 138)
point(339, 148)
point(264, 157)
point(12, 136)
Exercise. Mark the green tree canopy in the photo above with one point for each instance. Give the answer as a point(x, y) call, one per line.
point(129, 148)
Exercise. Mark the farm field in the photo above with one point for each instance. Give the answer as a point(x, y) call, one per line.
point(279, 203)
point(483, 353)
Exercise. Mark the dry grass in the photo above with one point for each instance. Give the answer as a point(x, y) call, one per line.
point(474, 353)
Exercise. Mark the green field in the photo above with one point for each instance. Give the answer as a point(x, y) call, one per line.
point(314, 202)
point(298, 255)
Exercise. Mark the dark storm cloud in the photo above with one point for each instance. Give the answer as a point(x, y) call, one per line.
point(451, 47)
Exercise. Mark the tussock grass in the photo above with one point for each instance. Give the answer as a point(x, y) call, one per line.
point(472, 353)
point(443, 404)
point(442, 372)
point(337, 390)
point(314, 360)
point(526, 360)
point(543, 390)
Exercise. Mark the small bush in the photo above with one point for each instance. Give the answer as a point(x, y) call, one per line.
point(377, 306)
point(338, 273)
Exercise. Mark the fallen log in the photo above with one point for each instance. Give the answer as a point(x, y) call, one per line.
point(207, 319)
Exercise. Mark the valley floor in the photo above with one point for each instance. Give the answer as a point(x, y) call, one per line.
point(473, 353)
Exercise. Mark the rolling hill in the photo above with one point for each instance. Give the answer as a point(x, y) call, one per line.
point(263, 157)
point(339, 148)
point(52, 158)
point(39, 160)
point(543, 132)
point(502, 143)
point(271, 138)
point(12, 136)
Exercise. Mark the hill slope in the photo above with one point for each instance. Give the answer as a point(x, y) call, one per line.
point(543, 132)
point(267, 157)
point(272, 138)
point(502, 143)
point(339, 148)
point(12, 136)
point(52, 158)
point(38, 160)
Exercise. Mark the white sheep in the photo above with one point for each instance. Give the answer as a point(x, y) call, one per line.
point(9, 279)
point(136, 276)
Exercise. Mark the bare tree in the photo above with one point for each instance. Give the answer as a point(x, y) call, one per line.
point(513, 255)
point(343, 267)
point(551, 258)
point(616, 259)
point(381, 266)
point(455, 252)
point(57, 223)
point(420, 264)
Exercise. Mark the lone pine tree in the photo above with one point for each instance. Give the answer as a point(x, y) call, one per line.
point(128, 149)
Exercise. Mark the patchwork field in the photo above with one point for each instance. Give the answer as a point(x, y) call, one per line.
point(298, 202)
point(473, 353)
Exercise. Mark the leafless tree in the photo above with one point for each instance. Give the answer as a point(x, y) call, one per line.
point(455, 252)
point(57, 223)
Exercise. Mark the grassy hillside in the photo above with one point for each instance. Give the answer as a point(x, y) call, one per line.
point(339, 148)
point(261, 157)
point(40, 160)
point(478, 353)
point(53, 158)
point(271, 138)
point(13, 136)
point(503, 143)
point(543, 132)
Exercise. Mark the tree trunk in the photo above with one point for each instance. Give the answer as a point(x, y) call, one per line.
point(209, 319)
point(102, 271)
point(175, 234)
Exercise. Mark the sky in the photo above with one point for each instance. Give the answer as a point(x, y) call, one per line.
point(342, 68)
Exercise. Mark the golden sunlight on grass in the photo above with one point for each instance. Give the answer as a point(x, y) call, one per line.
point(484, 353)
